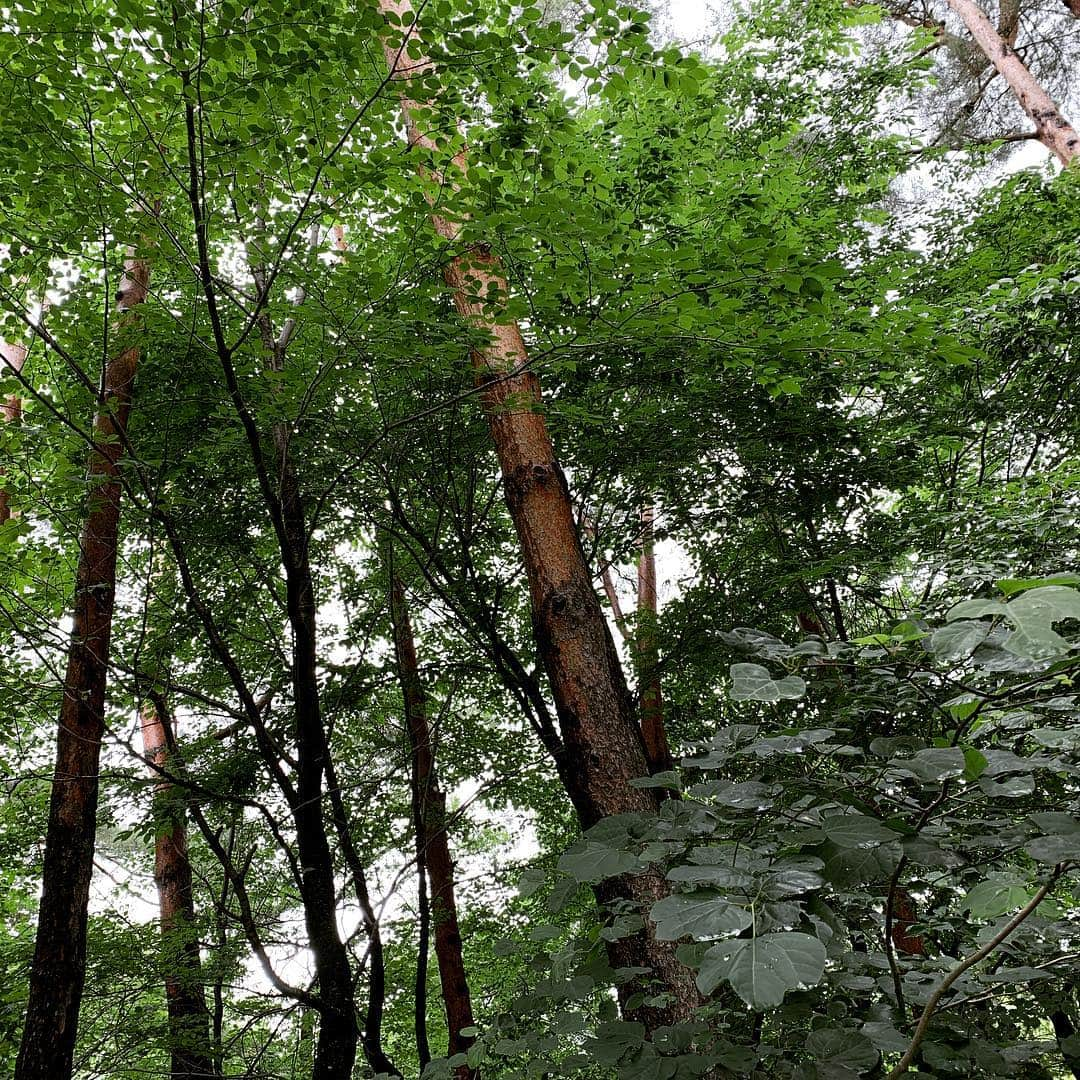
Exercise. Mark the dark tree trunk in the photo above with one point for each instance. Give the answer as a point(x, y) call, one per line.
point(185, 996)
point(335, 1050)
point(59, 966)
point(433, 848)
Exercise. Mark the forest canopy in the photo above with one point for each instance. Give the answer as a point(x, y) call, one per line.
point(531, 546)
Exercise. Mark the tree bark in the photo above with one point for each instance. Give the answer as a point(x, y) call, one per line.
point(13, 356)
point(433, 847)
point(189, 1017)
point(1054, 131)
point(597, 715)
point(58, 970)
point(339, 1033)
point(657, 750)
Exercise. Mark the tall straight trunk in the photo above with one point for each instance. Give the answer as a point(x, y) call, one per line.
point(652, 700)
point(596, 713)
point(189, 1018)
point(59, 965)
point(433, 847)
point(1053, 130)
point(423, 939)
point(13, 356)
point(339, 1031)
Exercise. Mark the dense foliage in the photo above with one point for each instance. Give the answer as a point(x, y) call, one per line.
point(848, 421)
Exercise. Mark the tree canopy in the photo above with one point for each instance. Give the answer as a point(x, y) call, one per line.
point(529, 548)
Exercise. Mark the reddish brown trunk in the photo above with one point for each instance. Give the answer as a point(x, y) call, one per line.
point(1074, 10)
point(652, 701)
point(597, 717)
point(903, 919)
point(433, 848)
point(59, 966)
point(1054, 131)
point(189, 1018)
point(13, 356)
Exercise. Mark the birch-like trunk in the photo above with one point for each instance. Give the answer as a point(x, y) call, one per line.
point(13, 356)
point(652, 699)
point(1053, 130)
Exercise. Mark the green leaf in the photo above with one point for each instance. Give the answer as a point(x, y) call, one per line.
point(958, 640)
point(976, 609)
point(1010, 586)
point(699, 915)
point(752, 682)
point(1054, 849)
point(856, 831)
point(933, 765)
point(588, 861)
point(989, 899)
point(762, 970)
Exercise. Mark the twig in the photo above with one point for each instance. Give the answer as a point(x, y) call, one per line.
point(904, 1063)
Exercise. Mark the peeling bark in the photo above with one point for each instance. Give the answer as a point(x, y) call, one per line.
point(13, 356)
point(189, 1017)
point(1054, 131)
point(58, 970)
point(597, 716)
point(653, 731)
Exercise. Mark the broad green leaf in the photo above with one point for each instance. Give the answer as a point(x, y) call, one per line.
point(699, 915)
point(958, 640)
point(762, 970)
point(989, 899)
point(856, 831)
point(752, 682)
point(588, 861)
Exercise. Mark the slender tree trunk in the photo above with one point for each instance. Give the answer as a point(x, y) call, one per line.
point(189, 1018)
point(597, 716)
point(339, 1031)
point(13, 356)
point(1054, 131)
point(59, 966)
point(652, 701)
point(433, 847)
point(423, 942)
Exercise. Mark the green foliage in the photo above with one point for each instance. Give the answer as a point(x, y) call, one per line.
point(857, 425)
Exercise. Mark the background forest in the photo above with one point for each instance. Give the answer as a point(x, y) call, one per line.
point(532, 548)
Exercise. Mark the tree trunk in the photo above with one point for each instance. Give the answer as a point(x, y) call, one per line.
point(189, 1018)
point(1054, 131)
point(433, 848)
point(596, 712)
point(59, 965)
point(13, 356)
point(652, 702)
point(339, 1033)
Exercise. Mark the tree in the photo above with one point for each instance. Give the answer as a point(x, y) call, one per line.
point(189, 1018)
point(58, 970)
